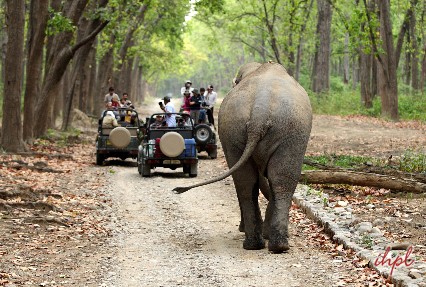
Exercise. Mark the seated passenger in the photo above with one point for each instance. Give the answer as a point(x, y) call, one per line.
point(185, 121)
point(109, 120)
point(159, 122)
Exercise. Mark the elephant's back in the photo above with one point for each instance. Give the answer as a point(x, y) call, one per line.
point(270, 99)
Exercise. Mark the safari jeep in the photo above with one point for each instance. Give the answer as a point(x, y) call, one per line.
point(168, 147)
point(121, 141)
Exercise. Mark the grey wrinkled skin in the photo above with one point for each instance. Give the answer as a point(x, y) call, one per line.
point(264, 127)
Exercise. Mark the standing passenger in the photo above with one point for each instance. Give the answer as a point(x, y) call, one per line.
point(210, 98)
point(195, 106)
point(169, 109)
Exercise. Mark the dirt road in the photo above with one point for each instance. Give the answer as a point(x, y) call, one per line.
point(192, 239)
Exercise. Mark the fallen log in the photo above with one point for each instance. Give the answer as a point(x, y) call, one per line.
point(389, 171)
point(362, 179)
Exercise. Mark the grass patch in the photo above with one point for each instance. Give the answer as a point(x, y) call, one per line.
point(343, 101)
point(342, 161)
point(413, 162)
point(410, 161)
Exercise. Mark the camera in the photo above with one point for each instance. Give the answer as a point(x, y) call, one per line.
point(180, 120)
point(160, 103)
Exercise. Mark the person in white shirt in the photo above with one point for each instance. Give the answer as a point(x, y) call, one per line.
point(187, 87)
point(168, 108)
point(210, 98)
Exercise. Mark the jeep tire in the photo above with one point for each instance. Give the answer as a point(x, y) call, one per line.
point(203, 133)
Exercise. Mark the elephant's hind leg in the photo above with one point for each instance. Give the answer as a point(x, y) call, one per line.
point(283, 174)
point(247, 187)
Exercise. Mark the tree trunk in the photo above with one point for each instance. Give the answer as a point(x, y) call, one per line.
point(36, 36)
point(407, 67)
point(92, 93)
point(365, 73)
point(60, 55)
point(270, 26)
point(11, 136)
point(105, 75)
point(301, 41)
point(355, 72)
point(321, 68)
point(346, 60)
point(423, 75)
point(414, 48)
point(388, 86)
point(78, 68)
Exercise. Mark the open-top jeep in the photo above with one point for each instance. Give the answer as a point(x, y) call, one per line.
point(169, 147)
point(121, 141)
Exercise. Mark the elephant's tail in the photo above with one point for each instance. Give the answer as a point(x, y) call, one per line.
point(248, 151)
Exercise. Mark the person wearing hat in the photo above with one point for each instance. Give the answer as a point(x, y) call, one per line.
point(169, 109)
point(185, 120)
point(187, 87)
point(158, 122)
point(195, 106)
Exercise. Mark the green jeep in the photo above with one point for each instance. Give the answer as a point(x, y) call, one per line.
point(121, 141)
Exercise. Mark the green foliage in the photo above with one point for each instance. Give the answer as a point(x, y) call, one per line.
point(58, 23)
point(209, 7)
point(341, 100)
point(412, 106)
point(343, 161)
point(410, 161)
point(344, 102)
point(366, 240)
point(413, 162)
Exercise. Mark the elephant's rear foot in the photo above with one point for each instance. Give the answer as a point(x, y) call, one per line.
point(278, 245)
point(254, 243)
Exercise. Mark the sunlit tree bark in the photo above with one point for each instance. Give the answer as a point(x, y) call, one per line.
point(321, 67)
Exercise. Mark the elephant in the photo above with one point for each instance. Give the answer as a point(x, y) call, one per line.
point(264, 126)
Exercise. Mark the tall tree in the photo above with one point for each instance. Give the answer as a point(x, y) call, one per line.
point(414, 47)
point(60, 55)
point(388, 85)
point(36, 36)
point(321, 67)
point(11, 137)
point(86, 28)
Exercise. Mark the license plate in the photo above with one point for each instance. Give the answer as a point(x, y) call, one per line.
point(171, 161)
